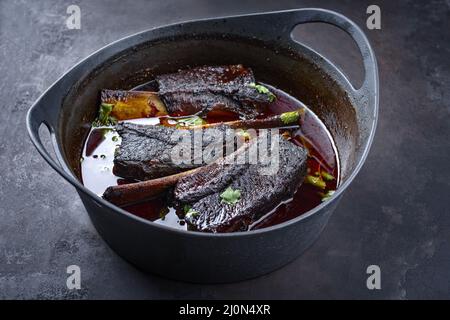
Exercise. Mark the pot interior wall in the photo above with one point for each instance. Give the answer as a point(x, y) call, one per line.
point(278, 66)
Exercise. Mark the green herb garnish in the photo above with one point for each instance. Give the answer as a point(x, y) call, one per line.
point(326, 176)
point(230, 196)
point(290, 117)
point(105, 131)
point(244, 134)
point(263, 90)
point(328, 195)
point(189, 212)
point(103, 156)
point(315, 181)
point(115, 138)
point(190, 122)
point(104, 116)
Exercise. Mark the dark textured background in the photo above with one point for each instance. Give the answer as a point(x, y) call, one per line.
point(395, 215)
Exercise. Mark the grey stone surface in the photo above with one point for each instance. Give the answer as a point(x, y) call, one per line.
point(396, 213)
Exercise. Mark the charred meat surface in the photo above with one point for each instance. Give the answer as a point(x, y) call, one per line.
point(149, 152)
point(202, 89)
point(210, 179)
point(258, 193)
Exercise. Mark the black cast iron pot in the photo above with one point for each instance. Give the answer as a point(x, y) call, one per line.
point(260, 41)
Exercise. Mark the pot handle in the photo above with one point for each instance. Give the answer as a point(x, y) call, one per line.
point(290, 19)
point(36, 116)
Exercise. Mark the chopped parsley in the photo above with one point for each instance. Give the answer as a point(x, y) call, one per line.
point(316, 181)
point(327, 196)
point(189, 212)
point(326, 176)
point(230, 196)
point(263, 90)
point(104, 116)
point(190, 122)
point(244, 134)
point(290, 117)
point(105, 131)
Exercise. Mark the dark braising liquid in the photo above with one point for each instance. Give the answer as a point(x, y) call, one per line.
point(98, 156)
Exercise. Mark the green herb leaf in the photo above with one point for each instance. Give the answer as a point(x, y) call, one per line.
point(315, 181)
point(104, 116)
point(190, 122)
point(262, 89)
point(105, 131)
point(326, 176)
point(230, 196)
point(186, 208)
point(328, 195)
point(290, 117)
point(244, 134)
point(189, 212)
point(115, 138)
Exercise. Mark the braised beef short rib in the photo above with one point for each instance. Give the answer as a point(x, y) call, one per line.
point(260, 193)
point(146, 151)
point(202, 89)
